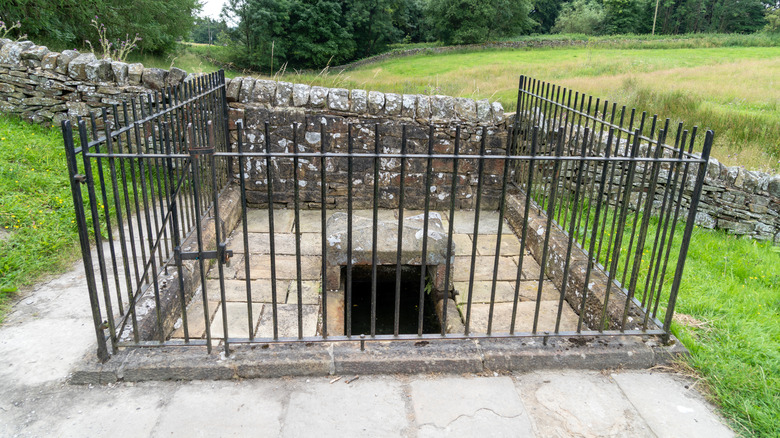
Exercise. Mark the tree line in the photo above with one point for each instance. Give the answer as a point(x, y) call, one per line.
point(266, 34)
point(65, 24)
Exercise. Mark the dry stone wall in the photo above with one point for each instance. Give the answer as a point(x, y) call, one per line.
point(743, 202)
point(47, 87)
point(299, 114)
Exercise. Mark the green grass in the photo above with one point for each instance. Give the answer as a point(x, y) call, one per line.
point(36, 210)
point(731, 288)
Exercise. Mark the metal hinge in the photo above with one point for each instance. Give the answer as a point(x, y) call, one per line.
point(222, 254)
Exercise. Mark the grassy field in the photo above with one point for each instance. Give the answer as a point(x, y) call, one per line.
point(733, 90)
point(728, 83)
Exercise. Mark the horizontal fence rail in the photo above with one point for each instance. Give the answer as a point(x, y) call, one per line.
point(570, 223)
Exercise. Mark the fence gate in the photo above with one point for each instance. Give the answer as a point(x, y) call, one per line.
point(565, 224)
point(151, 178)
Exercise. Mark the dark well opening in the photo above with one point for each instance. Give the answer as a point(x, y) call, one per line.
point(385, 301)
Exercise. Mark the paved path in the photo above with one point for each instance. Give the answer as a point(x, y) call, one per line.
point(49, 330)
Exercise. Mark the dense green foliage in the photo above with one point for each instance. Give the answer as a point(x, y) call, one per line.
point(271, 34)
point(477, 21)
point(207, 30)
point(62, 24)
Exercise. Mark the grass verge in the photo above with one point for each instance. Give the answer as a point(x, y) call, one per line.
point(36, 210)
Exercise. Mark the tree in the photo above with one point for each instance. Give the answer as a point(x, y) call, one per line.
point(580, 16)
point(545, 12)
point(207, 30)
point(477, 21)
point(65, 23)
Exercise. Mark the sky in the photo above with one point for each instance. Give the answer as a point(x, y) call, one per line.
point(212, 8)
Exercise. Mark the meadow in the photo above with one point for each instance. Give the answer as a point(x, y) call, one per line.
point(733, 90)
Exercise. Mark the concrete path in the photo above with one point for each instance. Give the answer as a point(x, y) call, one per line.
point(49, 330)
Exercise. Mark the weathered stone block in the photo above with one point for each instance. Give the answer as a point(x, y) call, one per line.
point(64, 60)
point(387, 240)
point(175, 76)
point(247, 86)
point(774, 186)
point(498, 112)
point(466, 108)
point(483, 111)
point(99, 71)
point(423, 106)
point(301, 94)
point(12, 51)
point(77, 69)
point(135, 73)
point(358, 101)
point(284, 93)
point(49, 61)
point(408, 105)
point(154, 78)
point(318, 96)
point(120, 71)
point(233, 89)
point(705, 220)
point(264, 91)
point(376, 102)
point(35, 53)
point(393, 104)
point(442, 107)
point(338, 99)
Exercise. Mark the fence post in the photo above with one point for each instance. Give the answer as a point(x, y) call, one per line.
point(705, 158)
point(86, 252)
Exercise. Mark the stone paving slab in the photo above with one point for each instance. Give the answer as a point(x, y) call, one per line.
point(486, 244)
point(567, 403)
point(502, 317)
point(669, 407)
point(250, 409)
point(237, 318)
point(284, 243)
point(488, 222)
point(235, 290)
point(310, 292)
point(196, 318)
point(453, 406)
point(257, 220)
point(368, 407)
point(286, 269)
point(483, 268)
point(287, 319)
point(505, 291)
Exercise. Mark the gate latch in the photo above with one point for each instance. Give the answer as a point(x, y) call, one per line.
point(222, 254)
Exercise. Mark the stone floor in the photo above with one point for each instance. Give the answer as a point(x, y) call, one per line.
point(237, 299)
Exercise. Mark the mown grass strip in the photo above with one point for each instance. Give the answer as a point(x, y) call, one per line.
point(36, 208)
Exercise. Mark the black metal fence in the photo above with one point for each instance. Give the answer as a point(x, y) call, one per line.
point(601, 210)
point(619, 189)
point(147, 188)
